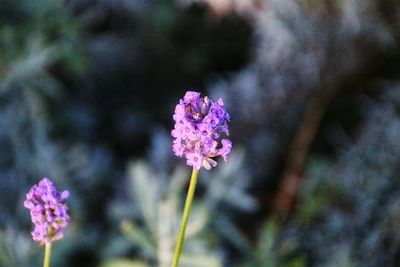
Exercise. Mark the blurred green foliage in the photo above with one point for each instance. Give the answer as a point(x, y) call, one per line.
point(87, 89)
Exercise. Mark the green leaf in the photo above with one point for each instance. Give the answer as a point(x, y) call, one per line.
point(123, 263)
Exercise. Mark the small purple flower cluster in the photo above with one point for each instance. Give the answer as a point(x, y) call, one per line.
point(48, 211)
point(199, 125)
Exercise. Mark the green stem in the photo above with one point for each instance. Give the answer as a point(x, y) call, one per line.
point(47, 255)
point(185, 217)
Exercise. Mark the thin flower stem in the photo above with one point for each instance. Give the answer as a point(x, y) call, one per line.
point(47, 255)
point(185, 217)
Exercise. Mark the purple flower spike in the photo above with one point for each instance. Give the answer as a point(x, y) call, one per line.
point(199, 125)
point(49, 213)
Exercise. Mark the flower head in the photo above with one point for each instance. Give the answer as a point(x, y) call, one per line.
point(48, 211)
point(200, 124)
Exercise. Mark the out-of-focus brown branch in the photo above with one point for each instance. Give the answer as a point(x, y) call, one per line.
point(313, 114)
point(299, 148)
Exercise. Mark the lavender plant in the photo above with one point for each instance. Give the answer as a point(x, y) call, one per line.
point(199, 125)
point(150, 210)
point(49, 214)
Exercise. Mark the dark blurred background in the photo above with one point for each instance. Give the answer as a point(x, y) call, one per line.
point(87, 93)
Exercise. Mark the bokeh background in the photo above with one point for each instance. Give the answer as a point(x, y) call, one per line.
point(87, 92)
